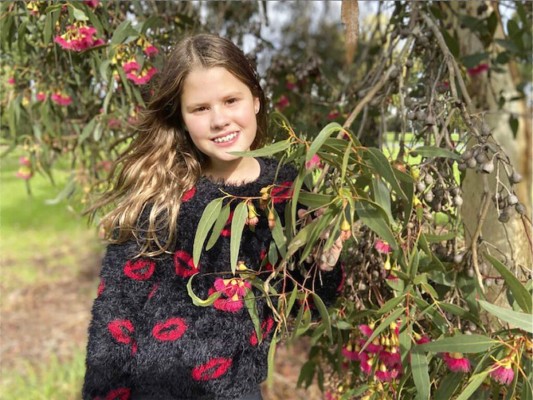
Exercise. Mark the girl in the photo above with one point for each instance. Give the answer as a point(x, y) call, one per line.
point(147, 340)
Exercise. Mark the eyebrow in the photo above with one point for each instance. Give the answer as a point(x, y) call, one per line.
point(192, 106)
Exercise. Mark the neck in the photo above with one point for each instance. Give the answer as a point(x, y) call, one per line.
point(241, 170)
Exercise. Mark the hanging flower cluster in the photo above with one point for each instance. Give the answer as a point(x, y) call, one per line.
point(61, 99)
point(25, 171)
point(502, 372)
point(232, 293)
point(381, 357)
point(78, 37)
point(456, 362)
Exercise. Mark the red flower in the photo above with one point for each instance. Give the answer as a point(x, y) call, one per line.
point(61, 99)
point(382, 247)
point(150, 50)
point(334, 114)
point(212, 369)
point(350, 354)
point(170, 330)
point(78, 38)
point(456, 362)
point(502, 372)
point(24, 172)
point(313, 163)
point(184, 264)
point(226, 231)
point(11, 80)
point(282, 103)
point(232, 290)
point(478, 69)
point(92, 3)
point(143, 76)
point(131, 65)
point(40, 96)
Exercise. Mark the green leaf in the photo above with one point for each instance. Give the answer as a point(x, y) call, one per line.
point(372, 218)
point(384, 324)
point(207, 220)
point(474, 59)
point(301, 238)
point(475, 382)
point(237, 226)
point(123, 31)
point(382, 197)
point(451, 42)
point(459, 344)
point(432, 151)
point(306, 374)
point(79, 15)
point(314, 200)
point(278, 236)
point(198, 301)
point(322, 136)
point(324, 315)
point(271, 361)
point(264, 151)
point(390, 304)
point(517, 319)
point(382, 166)
point(251, 306)
point(420, 370)
point(520, 293)
point(221, 221)
point(448, 385)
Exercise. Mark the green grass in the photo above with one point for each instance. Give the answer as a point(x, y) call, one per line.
point(54, 381)
point(40, 243)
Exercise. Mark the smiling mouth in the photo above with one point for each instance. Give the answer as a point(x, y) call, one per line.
point(227, 138)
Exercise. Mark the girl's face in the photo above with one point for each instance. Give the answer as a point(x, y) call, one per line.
point(219, 112)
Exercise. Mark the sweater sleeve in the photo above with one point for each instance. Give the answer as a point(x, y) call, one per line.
point(125, 284)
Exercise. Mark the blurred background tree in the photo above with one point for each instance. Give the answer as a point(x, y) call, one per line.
point(443, 89)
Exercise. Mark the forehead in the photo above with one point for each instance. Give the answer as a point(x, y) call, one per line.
point(203, 82)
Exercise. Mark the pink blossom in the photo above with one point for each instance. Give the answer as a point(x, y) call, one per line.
point(61, 99)
point(478, 69)
point(92, 3)
point(502, 372)
point(40, 96)
point(350, 354)
point(11, 80)
point(456, 362)
point(366, 363)
point(142, 77)
point(290, 85)
point(282, 103)
point(150, 50)
point(24, 172)
point(392, 358)
point(24, 161)
point(313, 163)
point(422, 340)
point(113, 123)
point(231, 287)
point(131, 65)
point(78, 38)
point(382, 247)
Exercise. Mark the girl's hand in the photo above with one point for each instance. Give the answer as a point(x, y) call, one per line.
point(325, 259)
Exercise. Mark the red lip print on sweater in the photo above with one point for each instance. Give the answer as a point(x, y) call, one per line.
point(212, 369)
point(266, 327)
point(122, 331)
point(184, 264)
point(140, 270)
point(171, 329)
point(189, 194)
point(116, 394)
point(281, 192)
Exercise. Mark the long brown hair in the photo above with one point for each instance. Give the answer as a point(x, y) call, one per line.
point(162, 163)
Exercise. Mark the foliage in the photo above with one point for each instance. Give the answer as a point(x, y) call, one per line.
point(413, 320)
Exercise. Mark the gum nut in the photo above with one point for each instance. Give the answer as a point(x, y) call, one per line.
point(481, 157)
point(515, 177)
point(466, 155)
point(429, 196)
point(430, 120)
point(421, 115)
point(485, 130)
point(471, 326)
point(470, 272)
point(504, 216)
point(471, 163)
point(409, 63)
point(458, 258)
point(411, 115)
point(456, 191)
point(421, 186)
point(428, 179)
point(488, 167)
point(512, 199)
point(362, 286)
point(520, 208)
point(461, 166)
point(458, 200)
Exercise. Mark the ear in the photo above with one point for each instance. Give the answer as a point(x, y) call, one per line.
point(257, 104)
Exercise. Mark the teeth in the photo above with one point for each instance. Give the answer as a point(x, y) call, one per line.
point(226, 138)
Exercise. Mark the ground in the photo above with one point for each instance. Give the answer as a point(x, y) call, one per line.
point(44, 319)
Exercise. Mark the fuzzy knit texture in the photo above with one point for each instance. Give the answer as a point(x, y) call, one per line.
point(147, 339)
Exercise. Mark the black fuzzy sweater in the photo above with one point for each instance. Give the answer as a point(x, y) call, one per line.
point(146, 337)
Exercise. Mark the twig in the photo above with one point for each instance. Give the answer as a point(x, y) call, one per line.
point(484, 209)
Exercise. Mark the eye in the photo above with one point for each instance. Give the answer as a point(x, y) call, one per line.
point(232, 100)
point(200, 109)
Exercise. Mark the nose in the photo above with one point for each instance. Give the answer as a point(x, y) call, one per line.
point(219, 118)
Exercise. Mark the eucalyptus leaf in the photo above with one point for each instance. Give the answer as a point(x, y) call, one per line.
point(207, 220)
point(459, 343)
point(420, 371)
point(237, 226)
point(517, 319)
